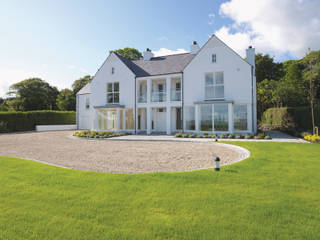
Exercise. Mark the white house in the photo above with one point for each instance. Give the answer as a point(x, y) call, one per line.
point(210, 89)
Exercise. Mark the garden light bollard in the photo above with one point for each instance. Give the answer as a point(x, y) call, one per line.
point(217, 164)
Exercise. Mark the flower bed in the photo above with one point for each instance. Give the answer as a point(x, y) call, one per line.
point(223, 136)
point(97, 134)
point(312, 138)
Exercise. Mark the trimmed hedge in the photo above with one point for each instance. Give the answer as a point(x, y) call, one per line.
point(26, 121)
point(289, 117)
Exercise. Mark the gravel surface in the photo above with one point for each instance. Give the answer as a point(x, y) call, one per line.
point(60, 148)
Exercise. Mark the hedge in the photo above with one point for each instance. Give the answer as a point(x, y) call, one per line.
point(26, 121)
point(298, 117)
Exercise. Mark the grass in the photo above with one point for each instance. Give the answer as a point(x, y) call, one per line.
point(273, 195)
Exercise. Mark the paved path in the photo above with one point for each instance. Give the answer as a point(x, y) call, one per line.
point(276, 137)
point(62, 149)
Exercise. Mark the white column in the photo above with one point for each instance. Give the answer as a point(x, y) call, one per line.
point(124, 119)
point(149, 120)
point(168, 88)
point(230, 117)
point(168, 114)
point(149, 87)
point(197, 117)
point(118, 120)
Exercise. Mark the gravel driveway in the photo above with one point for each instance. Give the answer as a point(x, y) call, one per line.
point(60, 148)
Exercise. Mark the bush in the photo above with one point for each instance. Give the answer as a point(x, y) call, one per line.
point(26, 121)
point(223, 135)
point(231, 136)
point(96, 134)
point(267, 137)
point(179, 134)
point(312, 138)
point(239, 136)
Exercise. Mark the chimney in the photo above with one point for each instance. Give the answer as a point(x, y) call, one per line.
point(194, 48)
point(147, 55)
point(250, 54)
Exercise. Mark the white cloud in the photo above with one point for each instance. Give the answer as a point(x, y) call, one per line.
point(163, 38)
point(165, 51)
point(276, 27)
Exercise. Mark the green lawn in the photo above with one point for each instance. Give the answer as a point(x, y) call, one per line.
point(273, 195)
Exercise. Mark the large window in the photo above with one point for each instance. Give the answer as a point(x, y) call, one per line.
point(240, 116)
point(190, 118)
point(214, 85)
point(107, 119)
point(206, 117)
point(221, 117)
point(129, 118)
point(113, 92)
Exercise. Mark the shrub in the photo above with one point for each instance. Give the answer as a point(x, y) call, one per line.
point(312, 138)
point(248, 136)
point(239, 136)
point(231, 136)
point(267, 137)
point(185, 135)
point(223, 135)
point(26, 121)
point(205, 134)
point(96, 134)
point(179, 134)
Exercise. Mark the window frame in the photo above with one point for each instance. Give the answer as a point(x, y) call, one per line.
point(214, 85)
point(113, 93)
point(87, 103)
point(214, 58)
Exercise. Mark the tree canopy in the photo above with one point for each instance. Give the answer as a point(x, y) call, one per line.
point(266, 68)
point(129, 53)
point(80, 83)
point(66, 100)
point(32, 94)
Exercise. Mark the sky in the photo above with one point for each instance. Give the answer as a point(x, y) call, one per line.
point(61, 41)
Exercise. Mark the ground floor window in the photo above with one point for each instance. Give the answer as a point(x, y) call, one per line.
point(107, 119)
point(129, 118)
point(221, 117)
point(206, 117)
point(190, 118)
point(240, 116)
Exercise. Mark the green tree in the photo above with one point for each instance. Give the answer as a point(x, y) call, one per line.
point(129, 53)
point(3, 105)
point(32, 94)
point(66, 100)
point(266, 68)
point(80, 83)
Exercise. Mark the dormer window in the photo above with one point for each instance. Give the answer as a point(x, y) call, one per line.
point(214, 58)
point(112, 70)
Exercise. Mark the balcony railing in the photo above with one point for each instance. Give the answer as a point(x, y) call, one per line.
point(142, 97)
point(175, 95)
point(158, 96)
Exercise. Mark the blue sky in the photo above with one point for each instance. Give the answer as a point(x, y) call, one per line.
point(61, 41)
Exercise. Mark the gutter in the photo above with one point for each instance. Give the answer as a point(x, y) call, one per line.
point(135, 105)
point(252, 105)
point(182, 98)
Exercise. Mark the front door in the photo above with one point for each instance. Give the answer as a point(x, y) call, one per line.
point(178, 119)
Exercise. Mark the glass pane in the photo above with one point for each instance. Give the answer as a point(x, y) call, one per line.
point(129, 118)
point(190, 118)
point(121, 119)
point(219, 92)
point(110, 97)
point(206, 117)
point(109, 87)
point(116, 87)
point(209, 79)
point(111, 119)
point(209, 92)
point(221, 117)
point(116, 97)
point(240, 117)
point(219, 77)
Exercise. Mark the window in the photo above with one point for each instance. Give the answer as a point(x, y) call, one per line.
point(240, 116)
point(107, 119)
point(113, 92)
point(206, 117)
point(87, 102)
point(112, 70)
point(214, 85)
point(221, 117)
point(214, 58)
point(129, 118)
point(190, 118)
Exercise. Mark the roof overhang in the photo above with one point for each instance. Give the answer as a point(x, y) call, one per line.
point(110, 106)
point(213, 102)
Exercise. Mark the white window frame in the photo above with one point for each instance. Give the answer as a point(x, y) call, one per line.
point(113, 92)
point(213, 85)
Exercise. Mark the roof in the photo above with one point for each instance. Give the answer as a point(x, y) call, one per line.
point(158, 65)
point(85, 90)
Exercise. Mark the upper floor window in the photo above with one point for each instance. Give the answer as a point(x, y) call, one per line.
point(87, 102)
point(214, 85)
point(214, 58)
point(113, 92)
point(112, 70)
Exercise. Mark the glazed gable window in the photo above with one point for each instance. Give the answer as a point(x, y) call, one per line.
point(213, 58)
point(113, 92)
point(214, 86)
